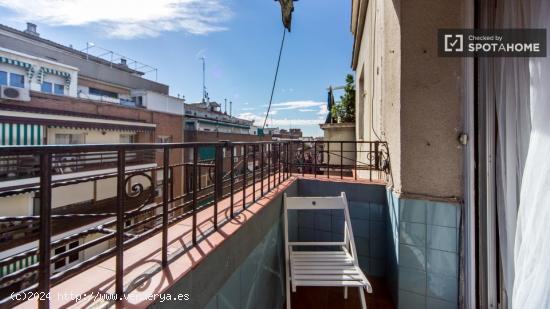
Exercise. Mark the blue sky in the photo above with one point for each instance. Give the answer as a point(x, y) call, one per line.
point(239, 38)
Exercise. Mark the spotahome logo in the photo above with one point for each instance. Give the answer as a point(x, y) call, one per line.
point(492, 43)
point(454, 42)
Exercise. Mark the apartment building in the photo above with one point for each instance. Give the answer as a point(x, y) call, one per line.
point(464, 137)
point(52, 94)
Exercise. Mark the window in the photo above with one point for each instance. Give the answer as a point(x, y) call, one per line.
point(66, 139)
point(71, 259)
point(46, 87)
point(17, 80)
point(103, 93)
point(3, 78)
point(58, 89)
point(164, 139)
point(127, 138)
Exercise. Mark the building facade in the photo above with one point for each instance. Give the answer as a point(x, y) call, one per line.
point(55, 95)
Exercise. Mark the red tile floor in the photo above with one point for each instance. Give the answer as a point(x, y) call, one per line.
point(333, 298)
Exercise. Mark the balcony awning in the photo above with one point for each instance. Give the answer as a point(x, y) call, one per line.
point(17, 63)
point(52, 120)
point(21, 134)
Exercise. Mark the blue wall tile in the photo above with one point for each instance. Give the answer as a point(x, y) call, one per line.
point(377, 247)
point(443, 287)
point(377, 267)
point(363, 246)
point(442, 262)
point(323, 222)
point(412, 257)
point(442, 214)
point(359, 210)
point(434, 303)
point(412, 211)
point(409, 300)
point(360, 227)
point(377, 211)
point(412, 234)
point(412, 280)
point(442, 238)
point(229, 295)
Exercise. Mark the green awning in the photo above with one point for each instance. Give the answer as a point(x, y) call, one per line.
point(18, 63)
point(207, 153)
point(45, 70)
point(21, 134)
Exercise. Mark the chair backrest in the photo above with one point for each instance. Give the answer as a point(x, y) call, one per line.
point(318, 203)
point(313, 203)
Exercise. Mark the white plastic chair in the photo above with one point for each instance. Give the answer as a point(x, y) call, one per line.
point(338, 268)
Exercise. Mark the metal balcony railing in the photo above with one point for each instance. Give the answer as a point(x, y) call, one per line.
point(21, 166)
point(149, 200)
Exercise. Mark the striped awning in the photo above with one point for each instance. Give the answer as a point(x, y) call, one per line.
point(15, 62)
point(17, 265)
point(45, 70)
point(21, 134)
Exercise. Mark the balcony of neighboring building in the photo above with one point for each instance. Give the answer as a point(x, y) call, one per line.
point(221, 245)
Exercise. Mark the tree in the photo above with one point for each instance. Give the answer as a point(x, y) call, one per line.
point(344, 111)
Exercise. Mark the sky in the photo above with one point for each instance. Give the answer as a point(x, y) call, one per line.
point(240, 40)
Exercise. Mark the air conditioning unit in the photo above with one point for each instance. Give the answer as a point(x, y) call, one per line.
point(13, 93)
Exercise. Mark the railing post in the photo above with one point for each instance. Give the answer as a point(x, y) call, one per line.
point(262, 169)
point(194, 182)
point(341, 160)
point(268, 167)
point(165, 167)
point(356, 159)
point(370, 161)
point(376, 156)
point(279, 161)
point(218, 181)
point(171, 184)
point(254, 173)
point(315, 159)
point(44, 246)
point(245, 165)
point(303, 158)
point(328, 159)
point(121, 197)
point(232, 176)
point(291, 157)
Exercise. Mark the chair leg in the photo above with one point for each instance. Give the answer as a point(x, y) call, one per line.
point(345, 292)
point(288, 294)
point(362, 296)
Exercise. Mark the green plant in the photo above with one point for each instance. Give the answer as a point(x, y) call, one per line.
point(344, 111)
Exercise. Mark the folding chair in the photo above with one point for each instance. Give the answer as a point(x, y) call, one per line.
point(338, 268)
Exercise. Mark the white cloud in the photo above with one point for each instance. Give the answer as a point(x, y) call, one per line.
point(126, 18)
point(296, 105)
point(282, 122)
point(317, 109)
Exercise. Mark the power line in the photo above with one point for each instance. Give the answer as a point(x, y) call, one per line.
point(275, 79)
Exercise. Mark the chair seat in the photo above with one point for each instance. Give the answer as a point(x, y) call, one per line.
point(326, 268)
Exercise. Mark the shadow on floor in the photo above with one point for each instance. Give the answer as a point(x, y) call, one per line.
point(331, 297)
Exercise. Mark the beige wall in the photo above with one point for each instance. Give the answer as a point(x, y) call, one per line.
point(339, 132)
point(17, 205)
point(414, 94)
point(91, 136)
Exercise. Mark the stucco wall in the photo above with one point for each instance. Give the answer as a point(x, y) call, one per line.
point(409, 96)
point(339, 132)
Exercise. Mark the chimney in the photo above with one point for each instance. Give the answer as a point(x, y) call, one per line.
point(31, 29)
point(123, 62)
